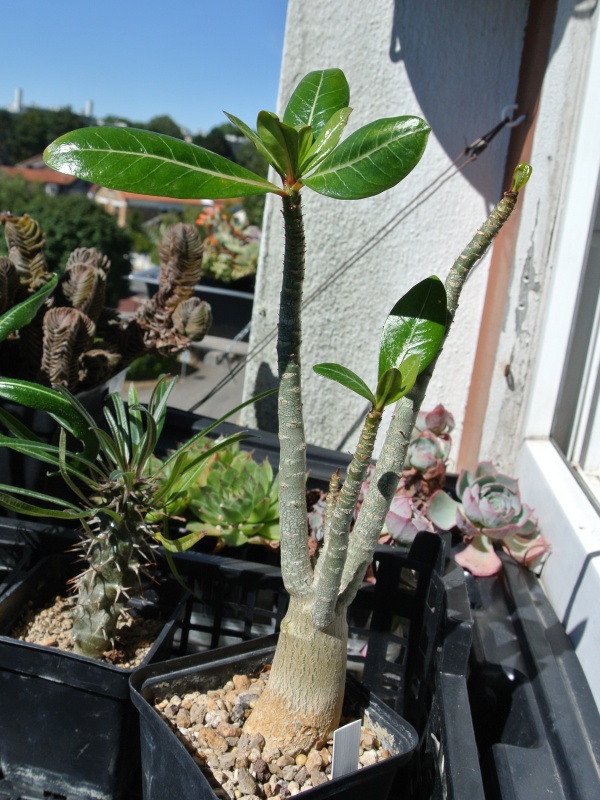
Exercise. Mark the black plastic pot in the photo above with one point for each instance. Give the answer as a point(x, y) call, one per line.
point(409, 642)
point(170, 771)
point(536, 723)
point(67, 725)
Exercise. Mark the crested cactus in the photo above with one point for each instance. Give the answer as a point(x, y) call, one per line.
point(74, 340)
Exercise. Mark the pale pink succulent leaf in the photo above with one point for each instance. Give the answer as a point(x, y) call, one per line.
point(479, 558)
point(442, 510)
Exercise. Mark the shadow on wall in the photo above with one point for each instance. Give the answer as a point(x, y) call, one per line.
point(454, 59)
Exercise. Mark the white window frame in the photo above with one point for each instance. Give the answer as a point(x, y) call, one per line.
point(568, 517)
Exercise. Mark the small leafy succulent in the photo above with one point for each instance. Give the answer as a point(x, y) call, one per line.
point(233, 498)
point(439, 421)
point(490, 509)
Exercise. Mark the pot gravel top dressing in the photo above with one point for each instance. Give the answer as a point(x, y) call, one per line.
point(239, 766)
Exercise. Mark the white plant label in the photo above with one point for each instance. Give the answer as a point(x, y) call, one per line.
point(346, 742)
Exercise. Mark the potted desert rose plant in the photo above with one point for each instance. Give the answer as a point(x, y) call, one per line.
point(302, 702)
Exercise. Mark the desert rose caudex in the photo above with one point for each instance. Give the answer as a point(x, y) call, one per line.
point(302, 703)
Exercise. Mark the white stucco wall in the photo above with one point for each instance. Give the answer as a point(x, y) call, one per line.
point(454, 63)
point(543, 206)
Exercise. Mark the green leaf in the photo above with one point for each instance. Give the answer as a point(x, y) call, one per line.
point(62, 408)
point(327, 140)
point(305, 142)
point(318, 95)
point(21, 315)
point(372, 159)
point(521, 175)
point(150, 163)
point(280, 141)
point(14, 504)
point(247, 131)
point(347, 378)
point(415, 326)
point(395, 383)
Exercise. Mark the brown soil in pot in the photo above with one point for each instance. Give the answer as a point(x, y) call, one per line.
point(239, 767)
point(51, 626)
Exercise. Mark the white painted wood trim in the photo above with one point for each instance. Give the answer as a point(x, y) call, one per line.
point(571, 255)
point(569, 521)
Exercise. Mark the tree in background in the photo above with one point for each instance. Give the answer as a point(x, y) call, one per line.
point(164, 124)
point(26, 134)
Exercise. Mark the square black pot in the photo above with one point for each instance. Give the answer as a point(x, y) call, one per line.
point(67, 724)
point(168, 770)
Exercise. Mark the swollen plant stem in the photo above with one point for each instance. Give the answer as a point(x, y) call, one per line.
point(295, 563)
point(390, 464)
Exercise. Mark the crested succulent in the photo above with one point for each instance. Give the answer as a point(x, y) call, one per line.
point(119, 497)
point(74, 340)
point(490, 509)
point(234, 499)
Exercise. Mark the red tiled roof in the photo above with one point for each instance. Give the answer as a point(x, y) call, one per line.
point(42, 175)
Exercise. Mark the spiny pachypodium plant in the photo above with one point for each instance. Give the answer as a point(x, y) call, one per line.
point(74, 340)
point(302, 703)
point(124, 504)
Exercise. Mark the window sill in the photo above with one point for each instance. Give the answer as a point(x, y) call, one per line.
point(571, 524)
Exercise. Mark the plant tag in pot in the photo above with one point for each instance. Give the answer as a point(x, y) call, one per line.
point(346, 741)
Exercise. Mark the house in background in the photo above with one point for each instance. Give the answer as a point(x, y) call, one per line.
point(520, 368)
point(55, 183)
point(119, 203)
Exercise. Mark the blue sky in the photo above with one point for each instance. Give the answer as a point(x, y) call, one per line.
point(190, 60)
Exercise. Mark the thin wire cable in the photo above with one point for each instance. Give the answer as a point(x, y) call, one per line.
point(468, 155)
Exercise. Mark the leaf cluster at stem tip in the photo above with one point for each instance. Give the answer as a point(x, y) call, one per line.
point(304, 148)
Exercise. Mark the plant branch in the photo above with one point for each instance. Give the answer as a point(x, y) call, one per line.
point(335, 549)
point(390, 464)
point(296, 568)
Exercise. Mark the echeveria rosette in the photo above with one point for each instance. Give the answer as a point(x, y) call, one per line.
point(490, 510)
point(491, 504)
point(439, 421)
point(428, 452)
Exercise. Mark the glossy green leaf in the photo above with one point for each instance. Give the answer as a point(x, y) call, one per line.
point(21, 315)
point(305, 142)
point(316, 98)
point(327, 140)
point(372, 159)
point(247, 131)
point(347, 378)
point(150, 163)
point(280, 141)
point(415, 326)
point(68, 510)
point(397, 382)
point(33, 395)
point(389, 388)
